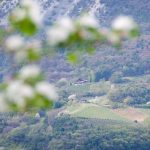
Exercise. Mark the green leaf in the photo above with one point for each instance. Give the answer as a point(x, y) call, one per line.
point(72, 57)
point(26, 26)
point(13, 107)
point(40, 102)
point(32, 55)
point(134, 33)
point(90, 50)
point(33, 80)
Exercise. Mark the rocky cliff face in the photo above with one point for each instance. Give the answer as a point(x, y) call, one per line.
point(53, 9)
point(104, 8)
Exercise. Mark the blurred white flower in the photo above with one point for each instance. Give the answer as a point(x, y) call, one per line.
point(34, 46)
point(113, 38)
point(88, 21)
point(124, 23)
point(14, 43)
point(61, 31)
point(3, 104)
point(33, 11)
point(30, 71)
point(47, 90)
point(57, 35)
point(17, 92)
point(67, 24)
point(19, 14)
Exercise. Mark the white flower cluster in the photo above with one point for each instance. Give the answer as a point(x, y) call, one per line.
point(88, 21)
point(33, 11)
point(29, 8)
point(61, 31)
point(19, 93)
point(66, 27)
point(21, 48)
point(126, 26)
point(41, 87)
point(14, 43)
point(69, 31)
point(31, 71)
point(113, 38)
point(86, 27)
point(47, 90)
point(124, 23)
point(122, 27)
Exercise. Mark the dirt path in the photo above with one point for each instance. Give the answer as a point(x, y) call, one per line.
point(131, 114)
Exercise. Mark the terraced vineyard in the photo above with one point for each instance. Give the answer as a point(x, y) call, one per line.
point(88, 110)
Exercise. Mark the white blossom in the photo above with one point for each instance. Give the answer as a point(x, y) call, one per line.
point(61, 31)
point(34, 46)
point(57, 35)
point(19, 14)
point(17, 92)
point(88, 21)
point(30, 71)
point(33, 10)
point(14, 43)
point(67, 24)
point(47, 90)
point(124, 23)
point(113, 38)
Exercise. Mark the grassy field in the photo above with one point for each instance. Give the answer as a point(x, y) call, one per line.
point(87, 110)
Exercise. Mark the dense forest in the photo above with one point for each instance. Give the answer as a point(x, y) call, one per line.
point(72, 133)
